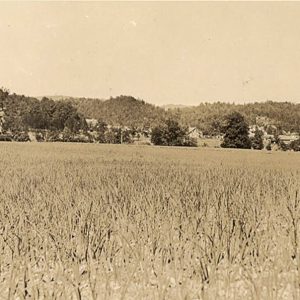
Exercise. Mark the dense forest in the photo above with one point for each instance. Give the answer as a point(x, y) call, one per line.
point(208, 117)
point(23, 113)
point(121, 111)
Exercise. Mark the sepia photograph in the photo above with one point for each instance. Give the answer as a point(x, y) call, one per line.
point(149, 150)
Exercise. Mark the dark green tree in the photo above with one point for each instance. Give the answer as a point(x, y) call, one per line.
point(62, 112)
point(269, 146)
point(171, 133)
point(113, 136)
point(295, 145)
point(75, 122)
point(257, 141)
point(101, 129)
point(236, 132)
point(35, 118)
point(283, 146)
point(3, 96)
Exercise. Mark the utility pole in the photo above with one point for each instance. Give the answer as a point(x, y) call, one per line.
point(121, 135)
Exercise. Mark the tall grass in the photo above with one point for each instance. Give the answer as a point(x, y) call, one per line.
point(126, 222)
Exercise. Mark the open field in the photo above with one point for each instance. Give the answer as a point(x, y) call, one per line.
point(90, 221)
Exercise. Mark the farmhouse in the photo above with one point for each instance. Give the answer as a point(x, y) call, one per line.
point(91, 122)
point(268, 138)
point(253, 128)
point(194, 132)
point(287, 139)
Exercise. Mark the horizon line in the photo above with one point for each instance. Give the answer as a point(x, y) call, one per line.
point(211, 101)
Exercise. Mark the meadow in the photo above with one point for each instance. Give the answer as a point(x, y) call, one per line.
point(91, 221)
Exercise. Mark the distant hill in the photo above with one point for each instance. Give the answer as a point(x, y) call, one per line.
point(121, 111)
point(174, 106)
point(132, 112)
point(208, 116)
point(55, 97)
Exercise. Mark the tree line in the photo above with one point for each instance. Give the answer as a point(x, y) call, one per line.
point(209, 117)
point(123, 118)
point(23, 113)
point(236, 135)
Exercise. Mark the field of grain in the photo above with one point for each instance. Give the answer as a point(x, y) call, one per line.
point(133, 222)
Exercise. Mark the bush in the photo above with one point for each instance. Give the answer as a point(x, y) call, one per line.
point(190, 142)
point(40, 137)
point(5, 138)
point(113, 136)
point(81, 138)
point(21, 137)
point(269, 147)
point(295, 145)
point(53, 136)
point(171, 133)
point(257, 140)
point(283, 146)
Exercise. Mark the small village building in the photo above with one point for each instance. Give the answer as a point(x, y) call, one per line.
point(194, 132)
point(91, 122)
point(287, 139)
point(253, 128)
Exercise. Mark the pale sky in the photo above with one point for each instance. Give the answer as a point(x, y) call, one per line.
point(161, 52)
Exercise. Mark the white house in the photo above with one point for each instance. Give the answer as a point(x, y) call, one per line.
point(287, 139)
point(91, 122)
point(194, 132)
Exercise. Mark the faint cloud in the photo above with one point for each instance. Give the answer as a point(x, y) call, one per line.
point(50, 26)
point(133, 23)
point(26, 72)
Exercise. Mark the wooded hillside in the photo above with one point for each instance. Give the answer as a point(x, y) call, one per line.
point(209, 116)
point(120, 111)
point(23, 112)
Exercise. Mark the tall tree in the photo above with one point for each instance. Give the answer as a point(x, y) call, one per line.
point(171, 133)
point(257, 140)
point(3, 96)
point(236, 132)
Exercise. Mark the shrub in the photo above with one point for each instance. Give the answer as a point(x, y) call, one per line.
point(283, 146)
point(170, 133)
point(40, 137)
point(190, 142)
point(269, 147)
point(53, 136)
point(257, 140)
point(5, 138)
point(295, 145)
point(21, 137)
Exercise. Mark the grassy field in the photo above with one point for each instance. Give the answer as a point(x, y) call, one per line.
point(127, 222)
